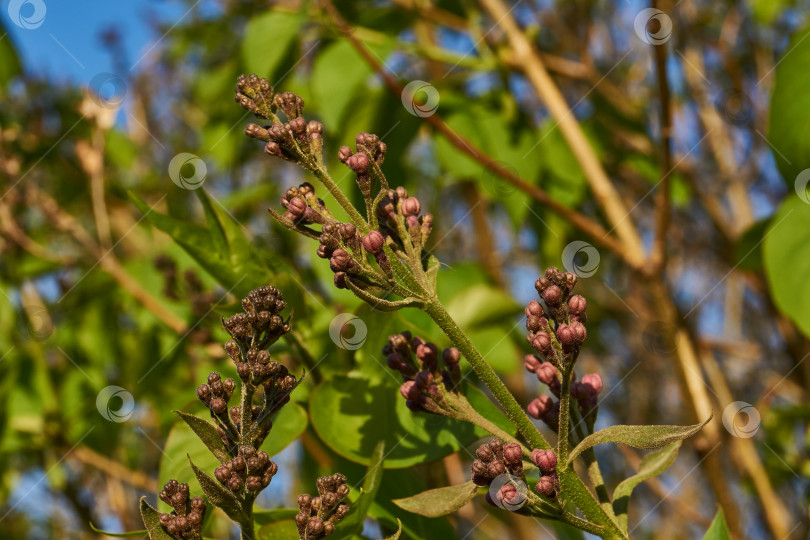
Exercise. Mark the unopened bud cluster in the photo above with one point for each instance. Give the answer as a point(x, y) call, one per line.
point(495, 458)
point(317, 516)
point(296, 139)
point(249, 471)
point(418, 363)
point(365, 162)
point(185, 521)
point(400, 218)
point(549, 483)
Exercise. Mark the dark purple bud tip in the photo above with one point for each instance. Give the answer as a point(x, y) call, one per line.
point(531, 363)
point(546, 373)
point(359, 163)
point(540, 406)
point(297, 206)
point(580, 333)
point(566, 335)
point(451, 356)
point(541, 342)
point(410, 390)
point(552, 296)
point(594, 381)
point(411, 206)
point(373, 242)
point(344, 153)
point(577, 304)
point(545, 460)
point(512, 454)
point(534, 309)
point(546, 487)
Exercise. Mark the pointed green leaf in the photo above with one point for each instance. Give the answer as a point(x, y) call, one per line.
point(651, 465)
point(130, 534)
point(718, 530)
point(637, 436)
point(288, 424)
point(279, 530)
point(219, 495)
point(151, 519)
point(265, 517)
point(207, 434)
point(440, 501)
point(215, 229)
point(352, 524)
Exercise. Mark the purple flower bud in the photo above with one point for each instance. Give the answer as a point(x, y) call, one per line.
point(546, 486)
point(508, 494)
point(481, 480)
point(553, 296)
point(341, 261)
point(535, 324)
point(540, 406)
point(373, 242)
point(495, 468)
point(546, 373)
point(428, 353)
point(580, 333)
point(541, 342)
point(545, 460)
point(344, 153)
point(298, 125)
point(273, 149)
point(531, 362)
point(411, 207)
point(315, 127)
point(566, 335)
point(485, 453)
point(409, 390)
point(424, 380)
point(512, 453)
point(451, 356)
point(594, 381)
point(359, 163)
point(541, 284)
point(534, 309)
point(577, 304)
point(479, 467)
point(340, 280)
point(347, 231)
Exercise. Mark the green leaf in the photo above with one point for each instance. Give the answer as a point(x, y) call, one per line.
point(207, 433)
point(440, 501)
point(718, 530)
point(279, 530)
point(182, 441)
point(351, 414)
point(265, 517)
point(339, 72)
point(353, 522)
point(151, 519)
point(651, 465)
point(267, 40)
point(748, 247)
point(219, 495)
point(288, 424)
point(789, 124)
point(786, 252)
point(482, 305)
point(637, 436)
point(119, 535)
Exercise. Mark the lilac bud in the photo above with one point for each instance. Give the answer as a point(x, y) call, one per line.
point(359, 163)
point(534, 309)
point(495, 468)
point(485, 453)
point(512, 453)
point(566, 335)
point(541, 342)
point(410, 390)
point(546, 486)
point(451, 356)
point(577, 304)
point(540, 406)
point(531, 362)
point(373, 242)
point(344, 153)
point(594, 381)
point(545, 460)
point(424, 379)
point(580, 333)
point(552, 296)
point(546, 373)
point(411, 206)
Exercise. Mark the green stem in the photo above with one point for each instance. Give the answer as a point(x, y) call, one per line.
point(320, 172)
point(565, 410)
point(594, 472)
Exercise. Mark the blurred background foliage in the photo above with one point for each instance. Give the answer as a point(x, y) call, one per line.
point(111, 274)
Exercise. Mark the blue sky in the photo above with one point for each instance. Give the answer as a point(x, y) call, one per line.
point(65, 43)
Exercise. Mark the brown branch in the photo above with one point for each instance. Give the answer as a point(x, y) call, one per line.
point(112, 468)
point(598, 234)
point(604, 191)
point(663, 209)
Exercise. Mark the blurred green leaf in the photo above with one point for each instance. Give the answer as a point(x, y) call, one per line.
point(151, 519)
point(786, 252)
point(718, 529)
point(440, 501)
point(353, 523)
point(268, 39)
point(207, 434)
point(288, 424)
